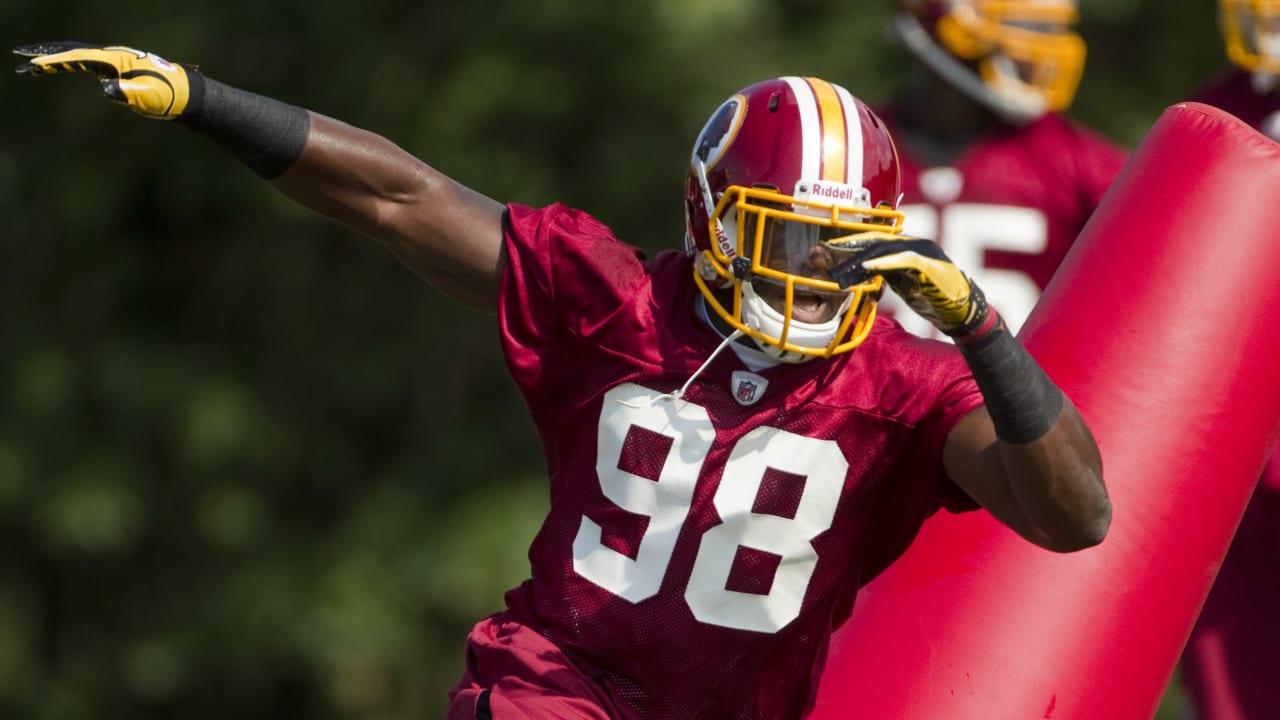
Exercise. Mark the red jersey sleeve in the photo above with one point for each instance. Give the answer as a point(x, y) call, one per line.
point(566, 273)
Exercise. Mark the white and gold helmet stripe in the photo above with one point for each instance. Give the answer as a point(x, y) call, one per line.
point(832, 131)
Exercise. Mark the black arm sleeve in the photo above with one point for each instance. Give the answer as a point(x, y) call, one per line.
point(1021, 399)
point(265, 134)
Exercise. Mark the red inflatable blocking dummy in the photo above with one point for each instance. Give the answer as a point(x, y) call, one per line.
point(1160, 326)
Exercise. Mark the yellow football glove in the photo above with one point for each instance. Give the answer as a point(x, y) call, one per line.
point(921, 274)
point(150, 85)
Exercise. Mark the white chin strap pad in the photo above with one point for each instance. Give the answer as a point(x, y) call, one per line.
point(759, 315)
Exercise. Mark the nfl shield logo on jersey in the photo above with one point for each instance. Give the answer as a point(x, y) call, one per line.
point(748, 387)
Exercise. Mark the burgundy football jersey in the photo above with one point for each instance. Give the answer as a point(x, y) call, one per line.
point(1007, 210)
point(1233, 91)
point(699, 550)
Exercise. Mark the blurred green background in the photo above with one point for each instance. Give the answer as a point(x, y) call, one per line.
point(250, 466)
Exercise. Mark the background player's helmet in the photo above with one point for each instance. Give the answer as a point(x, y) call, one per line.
point(782, 179)
point(1018, 57)
point(1251, 30)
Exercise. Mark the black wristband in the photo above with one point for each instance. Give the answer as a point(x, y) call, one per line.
point(1021, 399)
point(265, 134)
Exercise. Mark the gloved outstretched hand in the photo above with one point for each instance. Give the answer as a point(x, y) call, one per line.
point(921, 274)
point(148, 84)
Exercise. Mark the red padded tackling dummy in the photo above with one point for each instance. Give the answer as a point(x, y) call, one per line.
point(1160, 327)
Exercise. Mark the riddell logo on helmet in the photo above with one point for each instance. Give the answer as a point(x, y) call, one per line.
point(832, 193)
point(722, 239)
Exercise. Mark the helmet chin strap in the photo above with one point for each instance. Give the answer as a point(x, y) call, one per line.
point(760, 316)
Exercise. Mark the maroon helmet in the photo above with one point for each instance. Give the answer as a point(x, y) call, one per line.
point(784, 175)
point(1020, 58)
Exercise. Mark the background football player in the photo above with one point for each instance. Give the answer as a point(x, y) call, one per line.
point(734, 444)
point(992, 168)
point(1249, 87)
point(1232, 661)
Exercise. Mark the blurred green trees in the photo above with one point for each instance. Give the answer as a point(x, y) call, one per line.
point(251, 467)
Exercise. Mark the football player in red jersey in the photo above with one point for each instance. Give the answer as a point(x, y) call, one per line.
point(735, 444)
point(1232, 660)
point(991, 167)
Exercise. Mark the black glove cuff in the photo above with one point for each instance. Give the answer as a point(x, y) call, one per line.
point(265, 134)
point(1022, 401)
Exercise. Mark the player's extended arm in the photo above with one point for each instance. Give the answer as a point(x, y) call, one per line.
point(445, 232)
point(1026, 455)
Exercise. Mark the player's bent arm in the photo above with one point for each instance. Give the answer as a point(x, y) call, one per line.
point(1026, 455)
point(1049, 490)
point(447, 233)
